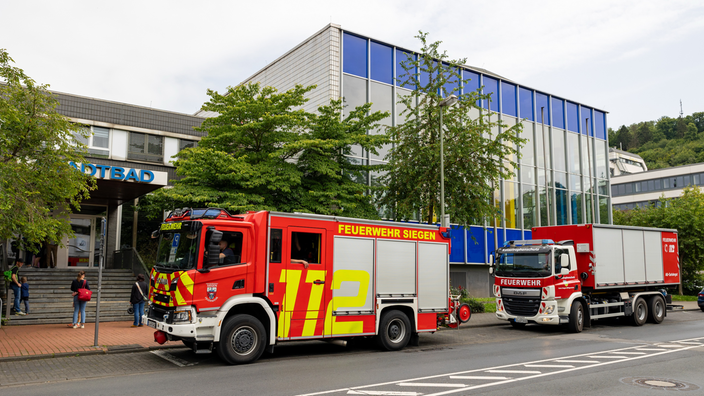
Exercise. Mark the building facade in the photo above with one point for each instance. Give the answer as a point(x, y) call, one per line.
point(624, 163)
point(362, 69)
point(645, 188)
point(130, 153)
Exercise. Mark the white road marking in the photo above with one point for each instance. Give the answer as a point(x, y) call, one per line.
point(577, 361)
point(383, 393)
point(631, 353)
point(171, 358)
point(433, 385)
point(549, 365)
point(588, 364)
point(477, 377)
point(669, 346)
point(513, 371)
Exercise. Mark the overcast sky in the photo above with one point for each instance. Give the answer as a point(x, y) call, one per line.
point(634, 59)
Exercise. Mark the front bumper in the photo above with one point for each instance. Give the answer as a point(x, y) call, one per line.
point(199, 328)
point(540, 318)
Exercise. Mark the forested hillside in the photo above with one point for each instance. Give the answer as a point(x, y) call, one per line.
point(663, 143)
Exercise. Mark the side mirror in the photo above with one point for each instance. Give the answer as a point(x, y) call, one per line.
point(491, 264)
point(214, 249)
point(155, 234)
point(564, 264)
point(491, 270)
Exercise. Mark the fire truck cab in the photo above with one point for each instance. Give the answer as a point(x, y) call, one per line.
point(240, 284)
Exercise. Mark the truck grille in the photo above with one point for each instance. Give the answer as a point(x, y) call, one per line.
point(522, 306)
point(160, 314)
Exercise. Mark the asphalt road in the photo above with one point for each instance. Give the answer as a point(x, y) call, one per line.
point(609, 358)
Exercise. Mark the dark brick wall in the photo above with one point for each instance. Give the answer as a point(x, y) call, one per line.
point(125, 114)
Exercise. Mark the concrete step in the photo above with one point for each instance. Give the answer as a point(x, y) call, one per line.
point(30, 320)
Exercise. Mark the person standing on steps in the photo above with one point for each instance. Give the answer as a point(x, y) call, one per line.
point(24, 291)
point(137, 298)
point(79, 306)
point(16, 286)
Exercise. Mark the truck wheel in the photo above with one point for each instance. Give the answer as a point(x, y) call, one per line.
point(517, 325)
point(242, 340)
point(656, 309)
point(576, 324)
point(394, 330)
point(464, 313)
point(640, 312)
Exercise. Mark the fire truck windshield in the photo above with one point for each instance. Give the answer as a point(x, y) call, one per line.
point(177, 249)
point(524, 265)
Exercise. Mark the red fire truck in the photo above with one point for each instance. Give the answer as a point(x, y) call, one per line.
point(593, 272)
point(240, 284)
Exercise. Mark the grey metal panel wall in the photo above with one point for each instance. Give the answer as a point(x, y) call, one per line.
point(654, 271)
point(352, 254)
point(395, 267)
point(634, 259)
point(433, 271)
point(129, 115)
point(608, 246)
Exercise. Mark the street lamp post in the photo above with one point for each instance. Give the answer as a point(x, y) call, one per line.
point(447, 102)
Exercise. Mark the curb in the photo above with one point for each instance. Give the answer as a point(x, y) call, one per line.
point(97, 351)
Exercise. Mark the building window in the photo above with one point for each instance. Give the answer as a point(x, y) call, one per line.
point(558, 113)
point(404, 78)
point(599, 125)
point(542, 110)
point(382, 62)
point(183, 144)
point(572, 117)
point(144, 147)
point(452, 85)
point(355, 55)
point(525, 97)
point(98, 143)
point(471, 82)
point(508, 99)
point(491, 86)
point(587, 119)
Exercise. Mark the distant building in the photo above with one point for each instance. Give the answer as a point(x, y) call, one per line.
point(642, 189)
point(625, 163)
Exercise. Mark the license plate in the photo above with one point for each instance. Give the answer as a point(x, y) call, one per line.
point(521, 319)
point(151, 323)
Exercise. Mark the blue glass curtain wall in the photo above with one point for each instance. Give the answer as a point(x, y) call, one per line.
point(372, 69)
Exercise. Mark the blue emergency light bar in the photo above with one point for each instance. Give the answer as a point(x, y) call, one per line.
point(529, 242)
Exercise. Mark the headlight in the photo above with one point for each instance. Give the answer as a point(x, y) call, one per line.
point(549, 309)
point(182, 316)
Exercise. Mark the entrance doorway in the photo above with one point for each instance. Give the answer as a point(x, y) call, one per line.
point(83, 249)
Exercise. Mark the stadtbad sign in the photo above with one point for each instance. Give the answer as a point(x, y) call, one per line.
point(107, 172)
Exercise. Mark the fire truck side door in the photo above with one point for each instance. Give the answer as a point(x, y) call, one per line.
point(214, 285)
point(307, 289)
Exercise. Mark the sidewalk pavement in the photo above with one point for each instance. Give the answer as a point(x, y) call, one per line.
point(56, 340)
point(43, 341)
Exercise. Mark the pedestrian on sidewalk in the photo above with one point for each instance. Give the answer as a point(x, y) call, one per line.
point(24, 291)
point(79, 306)
point(16, 286)
point(137, 299)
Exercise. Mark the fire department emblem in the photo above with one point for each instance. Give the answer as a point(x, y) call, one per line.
point(211, 291)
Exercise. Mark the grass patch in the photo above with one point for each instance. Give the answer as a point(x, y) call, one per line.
point(679, 297)
point(490, 307)
point(486, 299)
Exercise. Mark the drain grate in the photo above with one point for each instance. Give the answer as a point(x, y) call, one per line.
point(660, 384)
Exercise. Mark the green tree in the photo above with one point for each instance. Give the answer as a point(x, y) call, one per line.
point(262, 152)
point(478, 150)
point(38, 187)
point(691, 132)
point(686, 215)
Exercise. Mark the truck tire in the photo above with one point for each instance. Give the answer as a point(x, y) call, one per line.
point(394, 330)
point(243, 339)
point(640, 312)
point(656, 309)
point(576, 323)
